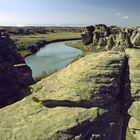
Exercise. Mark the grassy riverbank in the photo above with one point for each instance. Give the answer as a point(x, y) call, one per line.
point(78, 45)
point(28, 44)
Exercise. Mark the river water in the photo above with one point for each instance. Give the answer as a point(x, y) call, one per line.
point(52, 57)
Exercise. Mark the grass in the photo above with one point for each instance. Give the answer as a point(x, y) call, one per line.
point(25, 53)
point(27, 43)
point(78, 45)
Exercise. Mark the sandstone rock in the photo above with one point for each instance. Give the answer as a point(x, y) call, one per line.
point(87, 35)
point(102, 43)
point(79, 102)
point(136, 38)
point(110, 42)
point(123, 42)
point(134, 110)
point(102, 29)
point(15, 75)
point(134, 65)
point(120, 40)
point(96, 38)
point(89, 29)
point(133, 130)
point(88, 82)
point(114, 30)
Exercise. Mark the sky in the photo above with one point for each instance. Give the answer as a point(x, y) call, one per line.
point(70, 12)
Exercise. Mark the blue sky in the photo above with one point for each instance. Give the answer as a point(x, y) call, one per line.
point(70, 12)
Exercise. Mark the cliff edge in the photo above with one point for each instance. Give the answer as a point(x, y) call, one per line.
point(88, 100)
point(15, 75)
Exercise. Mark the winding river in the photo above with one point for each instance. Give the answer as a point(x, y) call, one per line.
point(52, 57)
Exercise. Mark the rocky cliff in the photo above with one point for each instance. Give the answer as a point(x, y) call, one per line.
point(15, 75)
point(88, 100)
point(102, 37)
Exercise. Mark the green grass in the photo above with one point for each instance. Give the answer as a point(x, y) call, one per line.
point(25, 53)
point(25, 43)
point(78, 45)
point(32, 39)
point(88, 50)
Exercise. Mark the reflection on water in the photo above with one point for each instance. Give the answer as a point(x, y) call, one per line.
point(53, 56)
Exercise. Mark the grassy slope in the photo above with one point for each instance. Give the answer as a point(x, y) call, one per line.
point(78, 45)
point(24, 42)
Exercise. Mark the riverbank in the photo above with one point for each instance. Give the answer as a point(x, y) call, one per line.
point(51, 58)
point(29, 44)
point(77, 45)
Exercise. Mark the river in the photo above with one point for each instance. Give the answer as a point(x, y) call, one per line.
point(52, 57)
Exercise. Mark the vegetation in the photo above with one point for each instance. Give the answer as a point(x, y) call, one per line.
point(28, 44)
point(86, 50)
point(38, 30)
point(78, 45)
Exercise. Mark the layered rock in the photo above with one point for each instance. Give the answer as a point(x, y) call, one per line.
point(135, 38)
point(122, 42)
point(108, 38)
point(79, 102)
point(110, 42)
point(87, 35)
point(103, 30)
point(133, 130)
point(15, 75)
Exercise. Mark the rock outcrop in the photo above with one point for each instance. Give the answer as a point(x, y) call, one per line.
point(133, 130)
point(103, 30)
point(87, 35)
point(15, 75)
point(111, 38)
point(122, 42)
point(135, 38)
point(95, 98)
point(79, 102)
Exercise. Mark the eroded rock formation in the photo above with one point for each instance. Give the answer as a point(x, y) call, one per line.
point(135, 38)
point(87, 35)
point(15, 75)
point(88, 100)
point(111, 38)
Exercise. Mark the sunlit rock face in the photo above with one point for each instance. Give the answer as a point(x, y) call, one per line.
point(15, 75)
point(135, 38)
point(79, 102)
point(133, 129)
point(104, 38)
